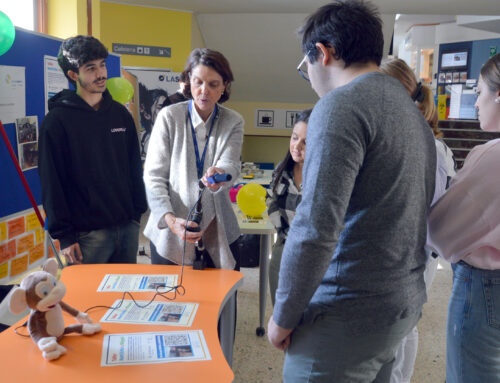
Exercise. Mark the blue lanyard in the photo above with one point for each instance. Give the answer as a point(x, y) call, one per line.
point(201, 162)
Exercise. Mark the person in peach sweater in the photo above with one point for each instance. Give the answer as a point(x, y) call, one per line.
point(464, 228)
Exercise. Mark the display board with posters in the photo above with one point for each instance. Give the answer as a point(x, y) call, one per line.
point(155, 85)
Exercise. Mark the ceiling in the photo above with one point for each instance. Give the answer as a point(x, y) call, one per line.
point(462, 7)
point(260, 41)
point(405, 21)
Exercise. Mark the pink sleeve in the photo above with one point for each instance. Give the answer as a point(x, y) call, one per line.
point(466, 219)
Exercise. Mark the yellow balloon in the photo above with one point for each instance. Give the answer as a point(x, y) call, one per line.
point(251, 199)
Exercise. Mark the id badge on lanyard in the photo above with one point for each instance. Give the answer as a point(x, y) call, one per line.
point(201, 161)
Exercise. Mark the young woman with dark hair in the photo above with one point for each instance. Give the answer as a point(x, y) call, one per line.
point(285, 193)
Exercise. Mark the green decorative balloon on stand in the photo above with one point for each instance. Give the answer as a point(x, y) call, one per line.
point(7, 33)
point(121, 89)
point(251, 200)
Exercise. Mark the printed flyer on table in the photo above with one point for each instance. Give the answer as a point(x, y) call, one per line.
point(154, 347)
point(132, 282)
point(144, 312)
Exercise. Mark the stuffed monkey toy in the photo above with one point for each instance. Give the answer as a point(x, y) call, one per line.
point(43, 293)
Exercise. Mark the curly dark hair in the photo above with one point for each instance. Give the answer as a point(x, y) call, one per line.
point(212, 59)
point(76, 51)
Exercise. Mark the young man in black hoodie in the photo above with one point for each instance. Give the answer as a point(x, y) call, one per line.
point(90, 167)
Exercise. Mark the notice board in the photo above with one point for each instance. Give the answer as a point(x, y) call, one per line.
point(28, 51)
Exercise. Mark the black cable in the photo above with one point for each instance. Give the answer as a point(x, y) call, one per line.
point(25, 324)
point(179, 289)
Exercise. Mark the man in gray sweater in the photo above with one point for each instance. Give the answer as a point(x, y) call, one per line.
point(351, 282)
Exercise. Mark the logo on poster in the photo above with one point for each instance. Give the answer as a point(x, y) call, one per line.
point(169, 77)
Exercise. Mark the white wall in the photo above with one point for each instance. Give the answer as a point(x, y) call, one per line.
point(387, 29)
point(423, 37)
point(197, 40)
point(264, 51)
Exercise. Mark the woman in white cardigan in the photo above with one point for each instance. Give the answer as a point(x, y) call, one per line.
point(190, 141)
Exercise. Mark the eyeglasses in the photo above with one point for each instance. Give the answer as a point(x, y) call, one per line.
point(302, 68)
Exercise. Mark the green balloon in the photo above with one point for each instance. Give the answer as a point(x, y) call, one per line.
point(121, 89)
point(7, 33)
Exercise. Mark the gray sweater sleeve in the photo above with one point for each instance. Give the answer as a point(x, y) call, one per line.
point(336, 141)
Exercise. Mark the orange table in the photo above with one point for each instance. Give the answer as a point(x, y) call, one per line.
point(211, 288)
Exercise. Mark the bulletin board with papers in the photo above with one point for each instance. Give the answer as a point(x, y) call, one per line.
point(24, 71)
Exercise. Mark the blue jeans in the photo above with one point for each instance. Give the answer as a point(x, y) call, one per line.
point(473, 328)
point(323, 349)
point(116, 244)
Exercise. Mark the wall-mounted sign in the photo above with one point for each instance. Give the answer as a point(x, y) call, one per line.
point(276, 118)
point(265, 118)
point(493, 50)
point(291, 118)
point(142, 50)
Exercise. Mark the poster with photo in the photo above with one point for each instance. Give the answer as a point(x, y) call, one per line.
point(442, 78)
point(27, 142)
point(449, 78)
point(463, 76)
point(456, 77)
point(154, 87)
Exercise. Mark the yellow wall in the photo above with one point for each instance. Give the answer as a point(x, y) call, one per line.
point(67, 18)
point(81, 17)
point(264, 149)
point(96, 19)
point(263, 145)
point(129, 24)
